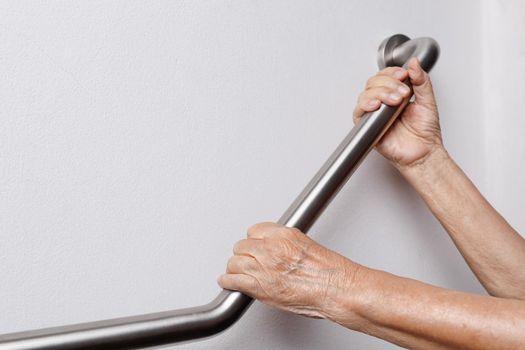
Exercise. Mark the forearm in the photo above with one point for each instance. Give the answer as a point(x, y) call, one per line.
point(492, 248)
point(419, 316)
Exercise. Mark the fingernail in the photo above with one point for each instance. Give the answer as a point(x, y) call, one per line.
point(395, 96)
point(373, 103)
point(403, 89)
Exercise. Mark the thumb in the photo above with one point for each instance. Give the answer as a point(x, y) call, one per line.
point(421, 84)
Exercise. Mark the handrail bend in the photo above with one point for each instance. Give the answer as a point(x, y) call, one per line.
point(137, 332)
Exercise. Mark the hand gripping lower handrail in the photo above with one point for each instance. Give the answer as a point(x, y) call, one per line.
point(169, 327)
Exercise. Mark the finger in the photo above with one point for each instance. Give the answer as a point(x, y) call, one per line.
point(262, 230)
point(388, 82)
point(248, 247)
point(370, 100)
point(363, 107)
point(421, 83)
point(243, 283)
point(241, 264)
point(398, 73)
point(391, 97)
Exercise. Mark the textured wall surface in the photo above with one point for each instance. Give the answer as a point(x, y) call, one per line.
point(139, 140)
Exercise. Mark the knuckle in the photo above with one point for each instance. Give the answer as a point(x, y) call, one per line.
point(375, 93)
point(294, 232)
point(393, 83)
point(390, 71)
point(238, 264)
point(254, 228)
point(238, 246)
point(386, 71)
point(363, 104)
point(259, 228)
point(367, 96)
point(273, 230)
point(242, 264)
point(224, 282)
point(382, 92)
point(285, 232)
point(231, 265)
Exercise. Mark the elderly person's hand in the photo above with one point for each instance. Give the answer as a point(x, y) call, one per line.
point(416, 133)
point(282, 267)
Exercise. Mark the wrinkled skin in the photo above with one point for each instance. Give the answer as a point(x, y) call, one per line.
point(285, 268)
point(282, 267)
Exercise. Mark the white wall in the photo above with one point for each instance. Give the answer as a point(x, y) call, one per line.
point(504, 60)
point(140, 139)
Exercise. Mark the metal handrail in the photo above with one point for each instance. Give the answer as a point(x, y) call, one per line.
point(169, 327)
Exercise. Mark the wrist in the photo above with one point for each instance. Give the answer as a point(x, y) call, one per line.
point(362, 305)
point(341, 302)
point(430, 165)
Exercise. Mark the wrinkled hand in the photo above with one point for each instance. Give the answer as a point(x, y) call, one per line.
point(282, 267)
point(416, 133)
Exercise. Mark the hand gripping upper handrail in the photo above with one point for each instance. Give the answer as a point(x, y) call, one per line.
point(198, 322)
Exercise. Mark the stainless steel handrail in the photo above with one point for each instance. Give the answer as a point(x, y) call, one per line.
point(168, 327)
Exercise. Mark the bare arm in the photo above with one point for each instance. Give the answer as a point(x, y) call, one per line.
point(492, 248)
point(284, 268)
point(416, 315)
